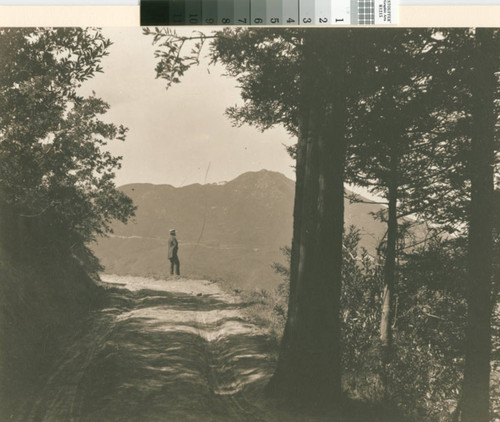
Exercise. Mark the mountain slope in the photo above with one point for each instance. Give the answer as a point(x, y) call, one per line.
point(232, 231)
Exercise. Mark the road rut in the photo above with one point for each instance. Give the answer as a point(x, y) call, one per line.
point(164, 350)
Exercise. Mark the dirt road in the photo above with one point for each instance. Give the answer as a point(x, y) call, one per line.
point(176, 350)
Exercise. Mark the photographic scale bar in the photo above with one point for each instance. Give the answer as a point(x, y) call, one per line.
point(268, 12)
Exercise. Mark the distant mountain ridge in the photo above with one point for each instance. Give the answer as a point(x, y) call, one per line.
point(232, 230)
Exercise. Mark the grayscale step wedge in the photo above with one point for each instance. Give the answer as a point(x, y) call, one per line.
point(306, 12)
point(323, 12)
point(291, 12)
point(209, 12)
point(258, 12)
point(341, 12)
point(225, 12)
point(241, 12)
point(274, 12)
point(177, 12)
point(268, 12)
point(193, 12)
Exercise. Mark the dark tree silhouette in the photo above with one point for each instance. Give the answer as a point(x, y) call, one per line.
point(308, 81)
point(56, 180)
point(485, 59)
point(391, 144)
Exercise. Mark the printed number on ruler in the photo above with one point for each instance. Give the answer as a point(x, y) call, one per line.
point(306, 12)
point(209, 12)
point(177, 12)
point(225, 12)
point(193, 12)
point(341, 12)
point(322, 12)
point(258, 12)
point(242, 12)
point(274, 12)
point(291, 12)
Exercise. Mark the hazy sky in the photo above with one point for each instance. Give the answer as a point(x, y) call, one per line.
point(175, 135)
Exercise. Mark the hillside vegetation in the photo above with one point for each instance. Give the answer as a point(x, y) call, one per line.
point(57, 193)
point(45, 295)
point(232, 231)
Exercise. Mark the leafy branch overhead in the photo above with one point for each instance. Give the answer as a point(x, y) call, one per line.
point(174, 61)
point(54, 165)
point(264, 62)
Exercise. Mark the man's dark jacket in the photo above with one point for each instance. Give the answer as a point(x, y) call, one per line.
point(173, 247)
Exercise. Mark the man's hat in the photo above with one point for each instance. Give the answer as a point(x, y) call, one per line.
point(172, 231)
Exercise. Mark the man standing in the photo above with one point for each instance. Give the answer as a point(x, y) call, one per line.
point(173, 247)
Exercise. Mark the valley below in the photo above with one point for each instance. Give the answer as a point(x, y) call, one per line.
point(232, 231)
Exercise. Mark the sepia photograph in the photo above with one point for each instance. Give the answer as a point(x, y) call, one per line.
point(249, 224)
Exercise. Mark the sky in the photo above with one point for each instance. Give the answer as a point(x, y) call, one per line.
point(179, 136)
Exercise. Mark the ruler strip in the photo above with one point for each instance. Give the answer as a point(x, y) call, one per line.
point(274, 12)
point(209, 12)
point(225, 12)
point(128, 16)
point(323, 12)
point(193, 12)
point(291, 12)
point(341, 12)
point(269, 12)
point(366, 12)
point(385, 12)
point(306, 12)
point(154, 12)
point(258, 12)
point(241, 12)
point(354, 12)
point(177, 12)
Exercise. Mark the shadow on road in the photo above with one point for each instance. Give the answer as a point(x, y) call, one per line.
point(161, 355)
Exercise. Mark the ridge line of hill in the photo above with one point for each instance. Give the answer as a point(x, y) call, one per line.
point(232, 231)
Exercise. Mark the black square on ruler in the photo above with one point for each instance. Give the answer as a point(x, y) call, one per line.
point(154, 12)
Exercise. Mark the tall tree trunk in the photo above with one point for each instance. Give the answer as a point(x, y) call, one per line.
point(389, 279)
point(278, 382)
point(475, 392)
point(389, 273)
point(309, 364)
